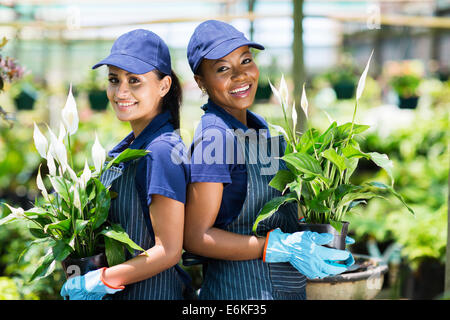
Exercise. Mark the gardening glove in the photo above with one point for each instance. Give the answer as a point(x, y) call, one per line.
point(90, 286)
point(305, 251)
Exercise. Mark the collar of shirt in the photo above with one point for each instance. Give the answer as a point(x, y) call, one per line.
point(256, 122)
point(151, 131)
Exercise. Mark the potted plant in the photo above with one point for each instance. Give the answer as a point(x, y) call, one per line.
point(405, 78)
point(319, 168)
point(73, 220)
point(343, 78)
point(96, 92)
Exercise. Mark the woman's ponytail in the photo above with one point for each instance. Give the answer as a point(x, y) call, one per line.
point(172, 100)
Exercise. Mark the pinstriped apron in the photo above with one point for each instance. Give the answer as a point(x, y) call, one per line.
point(255, 279)
point(126, 210)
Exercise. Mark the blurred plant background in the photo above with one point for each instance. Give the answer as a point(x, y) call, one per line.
point(410, 62)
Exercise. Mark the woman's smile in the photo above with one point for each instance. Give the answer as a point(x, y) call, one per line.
point(241, 91)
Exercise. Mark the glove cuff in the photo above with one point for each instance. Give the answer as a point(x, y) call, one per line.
point(265, 245)
point(102, 270)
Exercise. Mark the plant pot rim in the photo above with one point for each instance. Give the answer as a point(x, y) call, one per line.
point(379, 269)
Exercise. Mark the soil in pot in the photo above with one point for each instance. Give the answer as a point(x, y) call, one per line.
point(81, 266)
point(338, 237)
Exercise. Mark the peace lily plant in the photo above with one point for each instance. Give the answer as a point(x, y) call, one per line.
point(73, 219)
point(320, 165)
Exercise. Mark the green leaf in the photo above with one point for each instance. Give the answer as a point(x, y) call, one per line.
point(281, 179)
point(391, 190)
point(127, 155)
point(271, 207)
point(350, 151)
point(46, 266)
point(337, 225)
point(344, 130)
point(304, 163)
point(114, 252)
point(336, 159)
point(63, 225)
point(61, 250)
point(102, 204)
point(60, 188)
point(38, 233)
point(117, 233)
point(383, 161)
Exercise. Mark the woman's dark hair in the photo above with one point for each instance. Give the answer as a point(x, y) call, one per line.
point(172, 100)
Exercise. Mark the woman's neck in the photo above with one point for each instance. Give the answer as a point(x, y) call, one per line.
point(239, 114)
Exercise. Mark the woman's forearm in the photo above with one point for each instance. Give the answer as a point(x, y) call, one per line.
point(220, 244)
point(142, 266)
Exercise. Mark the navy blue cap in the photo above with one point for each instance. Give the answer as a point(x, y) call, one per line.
point(214, 39)
point(139, 51)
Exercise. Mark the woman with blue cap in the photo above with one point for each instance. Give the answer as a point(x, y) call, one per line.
point(230, 184)
point(144, 91)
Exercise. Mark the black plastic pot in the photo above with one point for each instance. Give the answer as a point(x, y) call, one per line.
point(344, 90)
point(26, 99)
point(407, 103)
point(338, 238)
point(81, 266)
point(98, 100)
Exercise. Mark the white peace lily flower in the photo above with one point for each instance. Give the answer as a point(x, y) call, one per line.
point(362, 80)
point(62, 133)
point(40, 184)
point(58, 150)
point(278, 129)
point(72, 174)
point(275, 91)
point(98, 155)
point(51, 164)
point(284, 92)
point(85, 176)
point(40, 141)
point(294, 117)
point(15, 212)
point(70, 114)
point(304, 102)
point(76, 199)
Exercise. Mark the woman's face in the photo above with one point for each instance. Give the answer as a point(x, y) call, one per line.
point(136, 97)
point(231, 81)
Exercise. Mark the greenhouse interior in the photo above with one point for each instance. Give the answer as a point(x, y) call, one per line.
point(319, 55)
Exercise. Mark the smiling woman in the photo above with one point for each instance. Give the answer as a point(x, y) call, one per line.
point(225, 195)
point(144, 91)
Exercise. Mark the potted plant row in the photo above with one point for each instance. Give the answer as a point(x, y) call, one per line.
point(72, 220)
point(319, 168)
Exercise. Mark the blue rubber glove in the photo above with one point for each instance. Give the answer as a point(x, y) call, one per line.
point(305, 251)
point(90, 286)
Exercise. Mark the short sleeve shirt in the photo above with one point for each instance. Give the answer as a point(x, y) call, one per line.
point(216, 157)
point(164, 170)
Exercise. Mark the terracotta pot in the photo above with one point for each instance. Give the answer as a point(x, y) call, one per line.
point(363, 281)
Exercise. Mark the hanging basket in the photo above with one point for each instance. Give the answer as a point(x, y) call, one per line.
point(263, 93)
point(98, 100)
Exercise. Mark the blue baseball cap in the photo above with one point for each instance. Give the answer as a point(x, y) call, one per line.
point(214, 39)
point(139, 51)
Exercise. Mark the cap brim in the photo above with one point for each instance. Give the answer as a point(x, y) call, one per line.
point(229, 46)
point(127, 63)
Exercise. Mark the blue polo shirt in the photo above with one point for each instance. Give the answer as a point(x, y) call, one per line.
point(216, 157)
point(164, 170)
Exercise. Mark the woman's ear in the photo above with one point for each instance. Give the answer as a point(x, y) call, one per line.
point(199, 81)
point(165, 84)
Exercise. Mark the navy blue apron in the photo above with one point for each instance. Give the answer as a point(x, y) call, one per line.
point(255, 279)
point(126, 210)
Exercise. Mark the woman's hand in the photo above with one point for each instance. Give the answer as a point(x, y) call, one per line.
point(200, 237)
